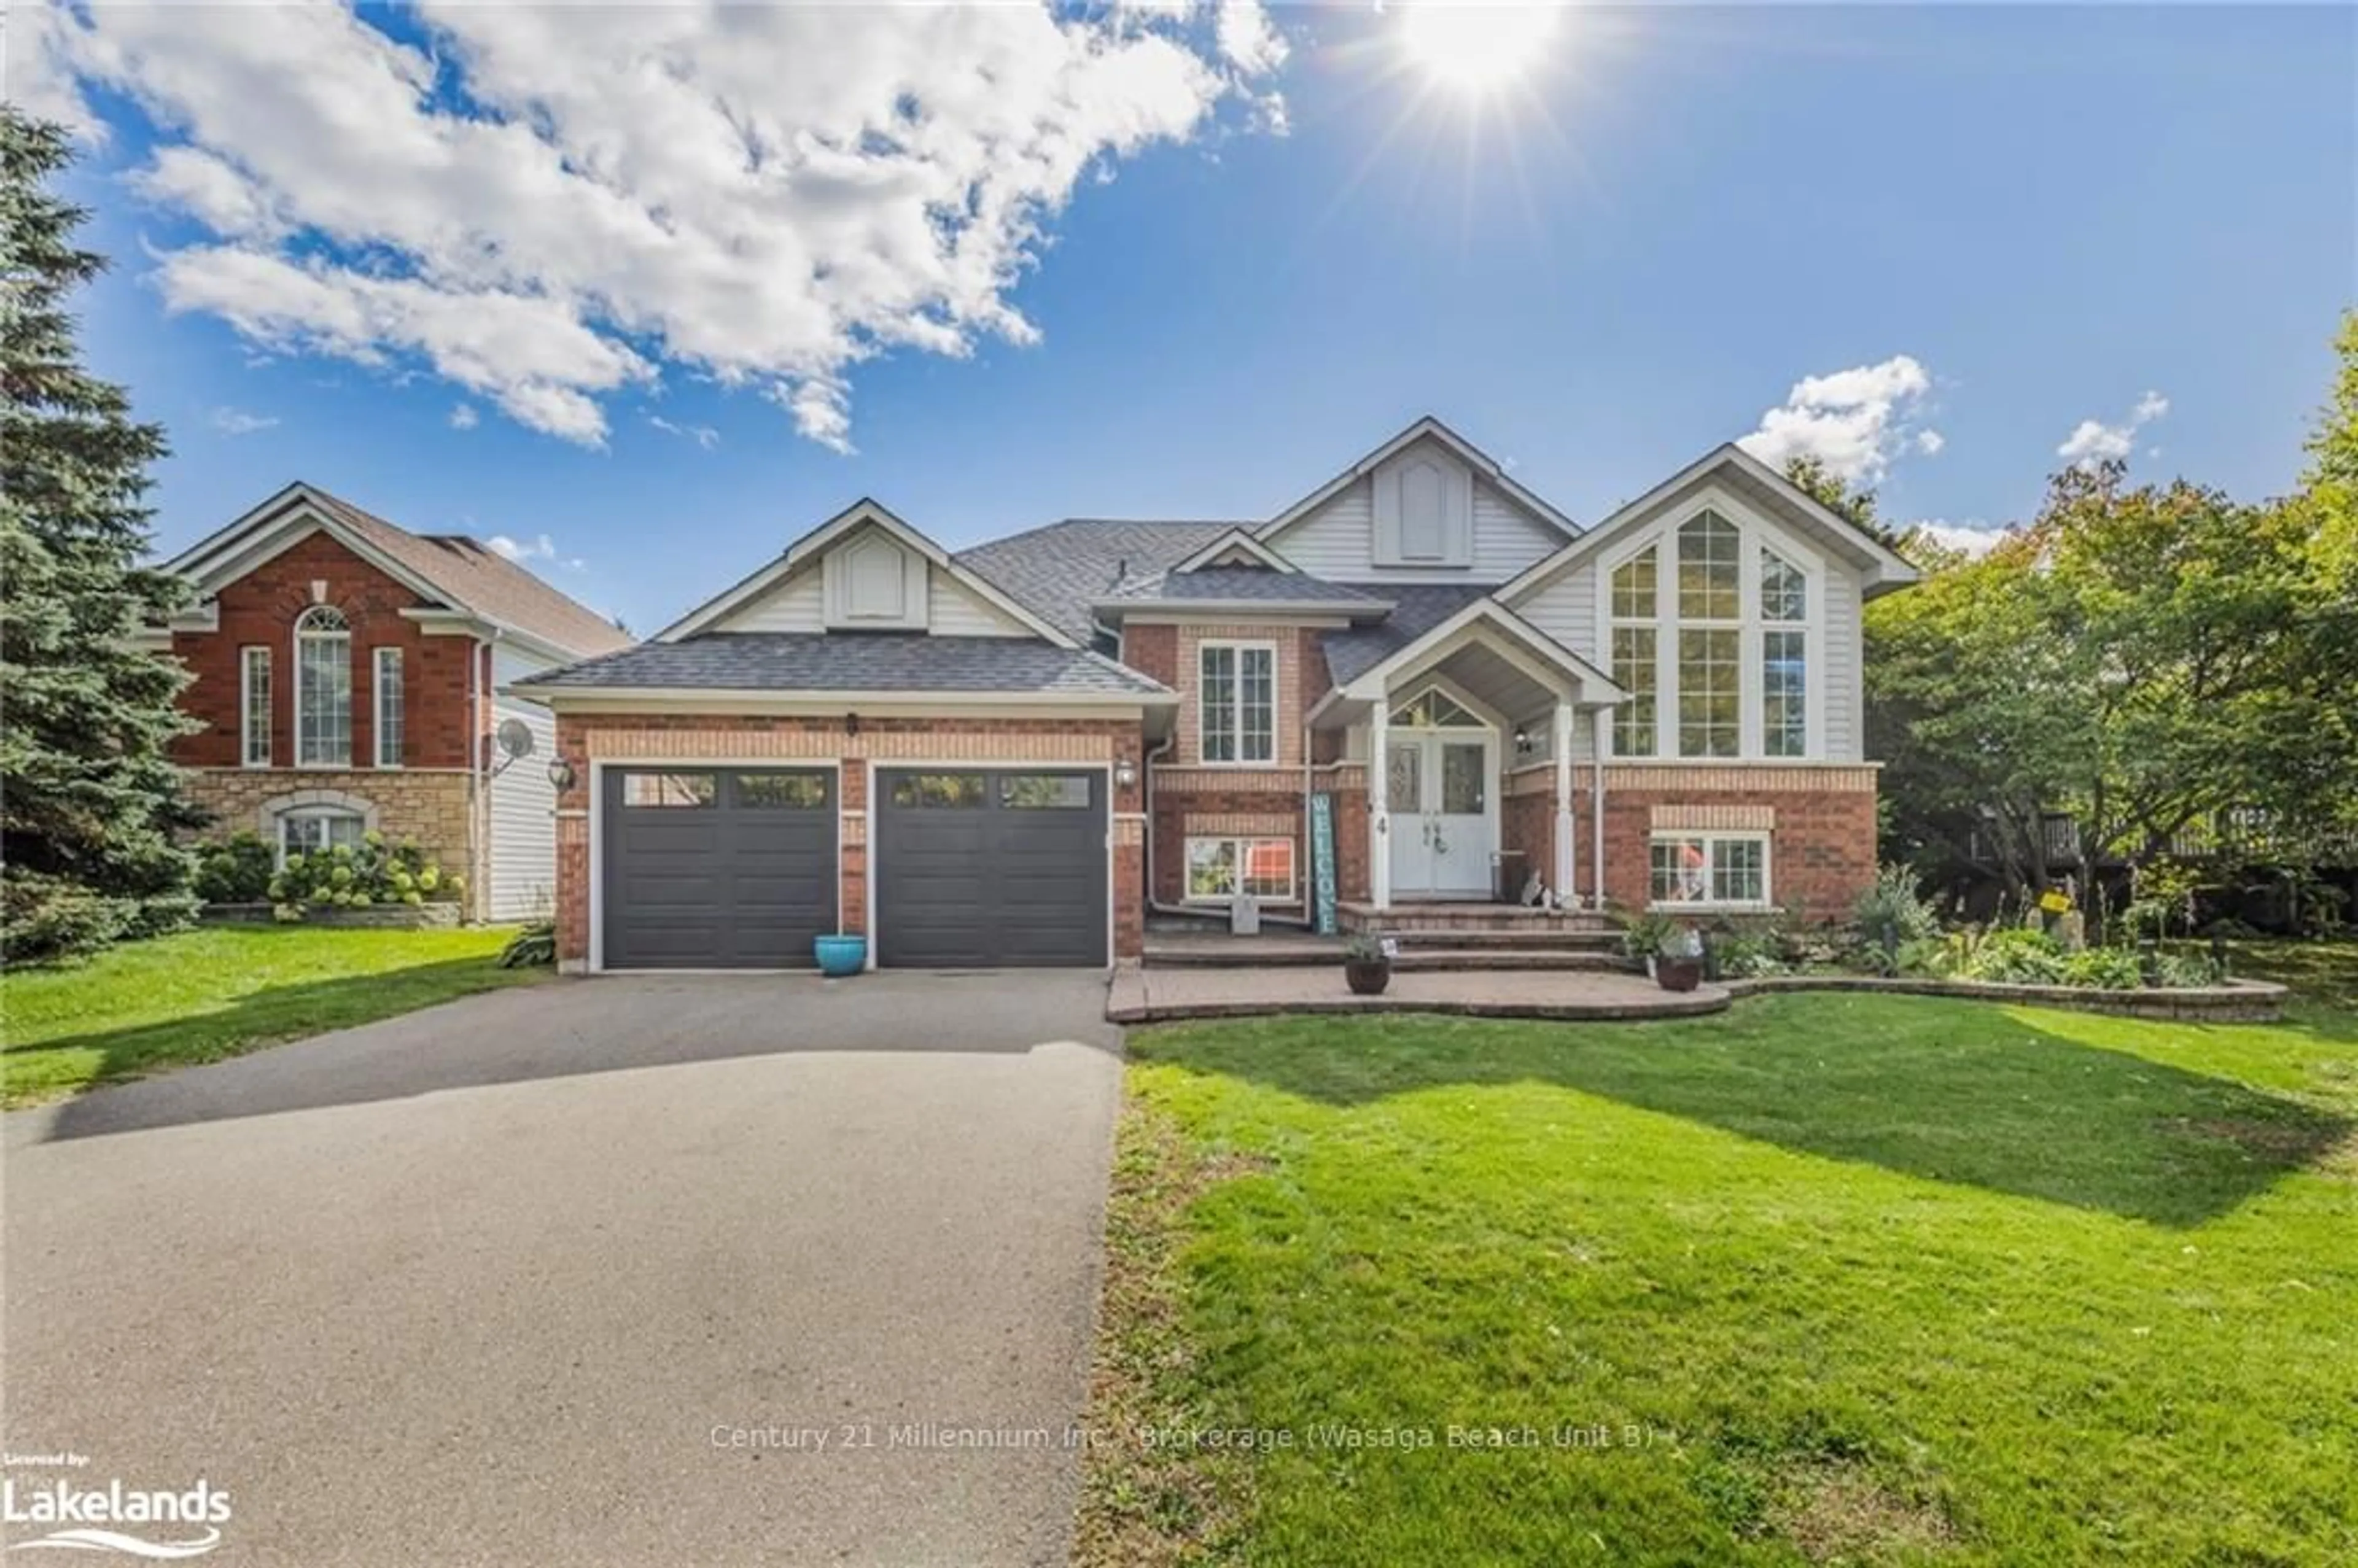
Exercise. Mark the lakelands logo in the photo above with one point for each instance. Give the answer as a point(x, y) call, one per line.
point(91, 1518)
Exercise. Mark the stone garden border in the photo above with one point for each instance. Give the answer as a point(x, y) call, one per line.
point(2235, 1002)
point(375, 917)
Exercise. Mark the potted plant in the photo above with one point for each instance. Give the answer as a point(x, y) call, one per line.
point(841, 956)
point(1368, 964)
point(1678, 962)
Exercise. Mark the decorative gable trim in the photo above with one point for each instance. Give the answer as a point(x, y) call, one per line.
point(1237, 547)
point(813, 545)
point(1426, 428)
point(1884, 569)
point(273, 528)
point(1591, 684)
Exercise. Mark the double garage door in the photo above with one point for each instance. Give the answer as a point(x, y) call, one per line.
point(738, 868)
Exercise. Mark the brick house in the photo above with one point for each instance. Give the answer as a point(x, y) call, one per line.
point(1016, 753)
point(347, 677)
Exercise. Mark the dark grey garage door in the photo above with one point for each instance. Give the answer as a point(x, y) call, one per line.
point(717, 868)
point(990, 868)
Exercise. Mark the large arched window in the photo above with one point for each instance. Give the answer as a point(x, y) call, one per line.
point(323, 689)
point(1711, 635)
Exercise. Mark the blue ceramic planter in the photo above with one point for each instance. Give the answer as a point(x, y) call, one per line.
point(840, 957)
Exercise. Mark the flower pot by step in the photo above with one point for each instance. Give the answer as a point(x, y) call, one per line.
point(1678, 974)
point(1368, 979)
point(840, 957)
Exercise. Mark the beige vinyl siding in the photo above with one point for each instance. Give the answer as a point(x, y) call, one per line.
point(1846, 696)
point(1338, 541)
point(956, 612)
point(797, 605)
point(1565, 609)
point(523, 814)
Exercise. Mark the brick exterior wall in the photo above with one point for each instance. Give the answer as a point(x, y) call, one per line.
point(692, 738)
point(260, 608)
point(1820, 821)
point(429, 797)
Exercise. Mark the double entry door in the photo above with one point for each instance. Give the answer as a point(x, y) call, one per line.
point(1438, 788)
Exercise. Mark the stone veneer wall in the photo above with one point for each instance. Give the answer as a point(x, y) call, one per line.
point(721, 738)
point(427, 805)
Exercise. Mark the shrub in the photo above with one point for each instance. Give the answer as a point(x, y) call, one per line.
point(350, 877)
point(2106, 969)
point(1893, 912)
point(2013, 956)
point(1642, 935)
point(237, 870)
point(44, 918)
point(1929, 956)
point(531, 947)
point(2186, 970)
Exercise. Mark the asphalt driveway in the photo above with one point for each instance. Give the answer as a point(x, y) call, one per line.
point(705, 1269)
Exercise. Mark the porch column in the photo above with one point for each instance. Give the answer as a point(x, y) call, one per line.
point(1597, 751)
point(1379, 803)
point(1565, 894)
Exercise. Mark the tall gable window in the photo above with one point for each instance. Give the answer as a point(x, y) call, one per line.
point(1236, 702)
point(253, 706)
point(1636, 656)
point(392, 708)
point(1711, 642)
point(323, 689)
point(1784, 657)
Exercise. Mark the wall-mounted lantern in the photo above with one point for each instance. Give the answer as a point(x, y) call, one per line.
point(560, 775)
point(1125, 773)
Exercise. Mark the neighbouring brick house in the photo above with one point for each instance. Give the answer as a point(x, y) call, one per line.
point(1013, 755)
point(347, 675)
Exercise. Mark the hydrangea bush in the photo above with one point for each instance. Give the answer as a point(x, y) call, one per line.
point(347, 876)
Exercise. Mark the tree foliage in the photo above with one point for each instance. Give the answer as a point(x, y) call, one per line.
point(87, 797)
point(2149, 659)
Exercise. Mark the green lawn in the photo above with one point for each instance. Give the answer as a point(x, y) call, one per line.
point(1825, 1279)
point(220, 990)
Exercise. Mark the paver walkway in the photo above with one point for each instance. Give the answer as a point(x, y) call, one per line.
point(1151, 995)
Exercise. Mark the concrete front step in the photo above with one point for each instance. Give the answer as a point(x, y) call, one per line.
point(1550, 941)
point(1436, 953)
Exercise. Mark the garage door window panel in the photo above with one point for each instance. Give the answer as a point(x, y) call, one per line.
point(677, 791)
point(781, 792)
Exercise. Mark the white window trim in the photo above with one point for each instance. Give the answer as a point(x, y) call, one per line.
point(345, 637)
point(306, 813)
point(246, 667)
point(1238, 843)
point(377, 657)
point(1753, 536)
point(1236, 695)
point(1709, 837)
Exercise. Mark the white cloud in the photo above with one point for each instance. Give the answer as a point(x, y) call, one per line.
point(238, 422)
point(1973, 538)
point(704, 436)
point(1854, 421)
point(546, 205)
point(541, 548)
point(2091, 441)
point(464, 417)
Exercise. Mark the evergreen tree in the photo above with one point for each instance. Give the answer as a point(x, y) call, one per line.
point(87, 797)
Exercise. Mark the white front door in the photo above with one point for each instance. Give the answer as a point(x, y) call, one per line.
point(1439, 783)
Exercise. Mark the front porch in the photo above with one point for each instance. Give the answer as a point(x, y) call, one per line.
point(1468, 740)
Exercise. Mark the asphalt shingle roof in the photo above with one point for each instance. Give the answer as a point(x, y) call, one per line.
point(1417, 608)
point(851, 661)
point(1059, 571)
point(1245, 583)
point(473, 577)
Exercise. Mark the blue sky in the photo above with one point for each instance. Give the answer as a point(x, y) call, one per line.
point(1597, 272)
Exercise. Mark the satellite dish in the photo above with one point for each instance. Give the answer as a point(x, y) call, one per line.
point(515, 738)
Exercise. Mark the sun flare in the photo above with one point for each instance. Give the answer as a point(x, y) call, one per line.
point(1476, 48)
